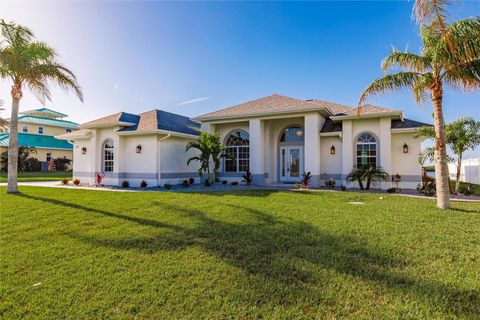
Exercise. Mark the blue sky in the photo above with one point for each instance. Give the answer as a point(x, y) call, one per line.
point(192, 58)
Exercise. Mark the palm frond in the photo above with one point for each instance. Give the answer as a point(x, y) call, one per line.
point(406, 60)
point(428, 132)
point(465, 77)
point(389, 83)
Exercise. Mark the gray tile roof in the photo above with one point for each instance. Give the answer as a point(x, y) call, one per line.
point(408, 124)
point(330, 126)
point(163, 120)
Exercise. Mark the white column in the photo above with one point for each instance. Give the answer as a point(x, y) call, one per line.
point(385, 145)
point(347, 149)
point(257, 150)
point(313, 125)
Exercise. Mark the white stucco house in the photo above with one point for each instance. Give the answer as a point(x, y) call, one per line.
point(276, 137)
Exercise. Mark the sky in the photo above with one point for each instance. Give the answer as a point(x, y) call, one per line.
point(195, 57)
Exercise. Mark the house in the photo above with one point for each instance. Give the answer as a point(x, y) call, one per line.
point(469, 171)
point(277, 138)
point(37, 128)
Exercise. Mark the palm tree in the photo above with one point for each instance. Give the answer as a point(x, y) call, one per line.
point(32, 64)
point(369, 173)
point(427, 73)
point(211, 151)
point(356, 175)
point(460, 135)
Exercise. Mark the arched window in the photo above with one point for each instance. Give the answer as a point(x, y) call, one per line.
point(237, 144)
point(366, 150)
point(108, 155)
point(293, 134)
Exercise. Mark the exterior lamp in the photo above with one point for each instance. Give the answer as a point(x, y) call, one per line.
point(332, 150)
point(139, 148)
point(84, 150)
point(299, 133)
point(405, 148)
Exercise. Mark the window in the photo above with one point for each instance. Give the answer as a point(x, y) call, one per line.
point(237, 145)
point(49, 156)
point(366, 150)
point(68, 130)
point(293, 134)
point(40, 130)
point(108, 156)
point(25, 128)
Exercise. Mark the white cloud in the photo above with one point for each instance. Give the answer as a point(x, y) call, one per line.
point(193, 101)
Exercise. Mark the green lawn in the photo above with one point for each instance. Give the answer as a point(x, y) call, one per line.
point(39, 176)
point(82, 254)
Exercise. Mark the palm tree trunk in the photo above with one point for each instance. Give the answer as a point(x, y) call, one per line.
point(12, 186)
point(459, 167)
point(441, 163)
point(369, 181)
point(360, 183)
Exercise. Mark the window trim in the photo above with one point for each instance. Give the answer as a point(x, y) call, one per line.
point(377, 148)
point(104, 160)
point(236, 152)
point(25, 128)
point(291, 126)
point(48, 154)
point(40, 129)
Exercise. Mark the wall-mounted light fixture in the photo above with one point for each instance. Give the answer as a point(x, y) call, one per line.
point(405, 148)
point(299, 133)
point(332, 149)
point(84, 150)
point(139, 148)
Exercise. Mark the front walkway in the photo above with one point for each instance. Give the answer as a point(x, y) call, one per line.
point(229, 187)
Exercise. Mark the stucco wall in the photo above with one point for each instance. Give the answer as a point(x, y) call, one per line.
point(406, 164)
point(173, 161)
point(331, 164)
point(48, 130)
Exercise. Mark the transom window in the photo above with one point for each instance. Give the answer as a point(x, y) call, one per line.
point(366, 150)
point(237, 145)
point(293, 134)
point(108, 155)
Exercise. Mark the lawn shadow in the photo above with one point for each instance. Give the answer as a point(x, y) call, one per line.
point(285, 251)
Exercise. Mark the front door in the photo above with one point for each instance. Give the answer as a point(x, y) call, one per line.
point(291, 163)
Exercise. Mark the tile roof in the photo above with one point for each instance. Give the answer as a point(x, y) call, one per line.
point(113, 120)
point(370, 109)
point(330, 126)
point(44, 112)
point(334, 108)
point(407, 124)
point(37, 141)
point(162, 120)
point(271, 104)
point(48, 122)
point(77, 134)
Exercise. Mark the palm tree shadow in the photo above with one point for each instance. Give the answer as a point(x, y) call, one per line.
point(288, 252)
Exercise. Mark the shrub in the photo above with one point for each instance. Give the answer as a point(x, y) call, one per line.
point(191, 180)
point(76, 182)
point(343, 188)
point(98, 179)
point(207, 183)
point(61, 164)
point(33, 165)
point(224, 182)
point(65, 181)
point(248, 177)
point(167, 186)
point(330, 183)
point(186, 183)
point(392, 190)
point(428, 189)
point(234, 183)
point(297, 186)
point(143, 184)
point(306, 179)
point(467, 191)
point(125, 184)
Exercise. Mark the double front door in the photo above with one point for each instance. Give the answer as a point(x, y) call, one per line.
point(291, 163)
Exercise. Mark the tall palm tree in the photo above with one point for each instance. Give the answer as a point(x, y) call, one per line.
point(428, 72)
point(28, 63)
point(460, 135)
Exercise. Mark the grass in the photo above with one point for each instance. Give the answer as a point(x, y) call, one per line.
point(38, 176)
point(83, 254)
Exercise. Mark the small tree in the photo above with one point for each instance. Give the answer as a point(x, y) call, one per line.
point(371, 173)
point(460, 135)
point(211, 151)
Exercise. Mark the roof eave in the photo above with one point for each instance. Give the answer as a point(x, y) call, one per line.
point(331, 134)
point(368, 116)
point(106, 125)
point(260, 114)
point(157, 131)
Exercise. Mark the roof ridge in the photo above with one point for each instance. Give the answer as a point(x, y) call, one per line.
point(46, 118)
